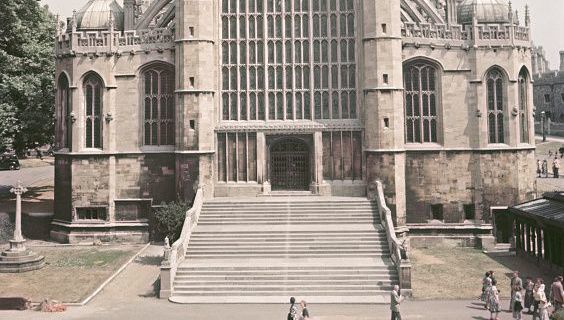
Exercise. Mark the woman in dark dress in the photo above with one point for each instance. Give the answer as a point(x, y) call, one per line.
point(529, 285)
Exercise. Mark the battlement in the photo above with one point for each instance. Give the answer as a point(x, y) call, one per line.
point(85, 42)
point(483, 35)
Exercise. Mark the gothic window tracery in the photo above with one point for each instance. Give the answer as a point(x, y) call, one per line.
point(64, 112)
point(158, 106)
point(288, 60)
point(496, 105)
point(93, 96)
point(421, 102)
point(523, 100)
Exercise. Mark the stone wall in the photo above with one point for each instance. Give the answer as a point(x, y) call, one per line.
point(458, 178)
point(146, 176)
point(90, 181)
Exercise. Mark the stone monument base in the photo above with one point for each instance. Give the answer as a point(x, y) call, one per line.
point(19, 259)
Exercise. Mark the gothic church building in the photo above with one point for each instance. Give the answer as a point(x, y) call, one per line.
point(158, 98)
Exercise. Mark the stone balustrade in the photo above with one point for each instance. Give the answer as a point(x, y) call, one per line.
point(486, 35)
point(73, 43)
point(397, 250)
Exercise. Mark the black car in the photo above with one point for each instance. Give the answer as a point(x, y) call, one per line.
point(9, 162)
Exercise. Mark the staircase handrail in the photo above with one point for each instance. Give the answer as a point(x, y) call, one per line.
point(397, 249)
point(386, 217)
point(177, 252)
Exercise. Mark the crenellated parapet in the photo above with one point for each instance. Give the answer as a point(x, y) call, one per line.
point(113, 42)
point(465, 36)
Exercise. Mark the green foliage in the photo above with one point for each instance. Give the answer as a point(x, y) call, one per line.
point(170, 219)
point(27, 37)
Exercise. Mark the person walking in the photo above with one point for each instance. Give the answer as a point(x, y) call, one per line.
point(543, 304)
point(539, 167)
point(515, 282)
point(556, 167)
point(494, 301)
point(529, 285)
point(293, 313)
point(545, 168)
point(305, 312)
point(395, 300)
point(517, 299)
point(557, 293)
point(486, 283)
point(537, 297)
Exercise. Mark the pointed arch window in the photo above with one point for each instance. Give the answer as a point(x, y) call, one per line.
point(523, 101)
point(421, 102)
point(496, 105)
point(158, 106)
point(64, 121)
point(93, 96)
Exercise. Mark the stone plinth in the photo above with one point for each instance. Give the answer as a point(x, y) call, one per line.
point(19, 259)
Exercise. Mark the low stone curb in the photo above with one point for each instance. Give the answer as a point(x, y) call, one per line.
point(105, 283)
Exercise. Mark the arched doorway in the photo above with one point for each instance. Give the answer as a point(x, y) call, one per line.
point(289, 165)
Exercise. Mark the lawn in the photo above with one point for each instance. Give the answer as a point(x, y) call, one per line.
point(456, 273)
point(71, 273)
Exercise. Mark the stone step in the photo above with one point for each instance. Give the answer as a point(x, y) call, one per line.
point(364, 297)
point(282, 243)
point(274, 288)
point(286, 248)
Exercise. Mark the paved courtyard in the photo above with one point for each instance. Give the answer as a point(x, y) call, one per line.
point(131, 296)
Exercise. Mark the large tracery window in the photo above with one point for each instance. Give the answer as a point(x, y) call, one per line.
point(496, 103)
point(421, 102)
point(158, 106)
point(288, 60)
point(523, 100)
point(64, 123)
point(93, 102)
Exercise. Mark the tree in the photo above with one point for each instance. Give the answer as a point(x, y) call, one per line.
point(27, 68)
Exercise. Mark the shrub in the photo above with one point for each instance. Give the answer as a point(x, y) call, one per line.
point(170, 219)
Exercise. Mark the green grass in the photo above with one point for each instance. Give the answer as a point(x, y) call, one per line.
point(70, 274)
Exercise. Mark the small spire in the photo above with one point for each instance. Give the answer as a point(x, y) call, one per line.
point(73, 21)
point(517, 17)
point(510, 13)
point(57, 25)
point(527, 16)
point(111, 20)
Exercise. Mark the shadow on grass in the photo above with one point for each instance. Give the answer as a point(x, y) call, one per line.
point(526, 267)
point(149, 260)
point(32, 193)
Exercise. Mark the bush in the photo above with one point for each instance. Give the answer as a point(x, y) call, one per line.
point(170, 219)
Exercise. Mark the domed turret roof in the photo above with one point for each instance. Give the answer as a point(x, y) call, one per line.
point(486, 11)
point(95, 15)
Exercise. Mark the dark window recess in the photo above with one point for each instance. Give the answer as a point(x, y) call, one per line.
point(91, 213)
point(437, 212)
point(386, 78)
point(384, 28)
point(562, 96)
point(132, 210)
point(469, 211)
point(387, 122)
point(547, 98)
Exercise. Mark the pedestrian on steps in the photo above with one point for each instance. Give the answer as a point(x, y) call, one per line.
point(395, 300)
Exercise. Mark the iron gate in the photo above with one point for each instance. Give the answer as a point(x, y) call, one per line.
point(290, 165)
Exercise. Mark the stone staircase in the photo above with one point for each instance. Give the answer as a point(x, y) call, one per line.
point(264, 250)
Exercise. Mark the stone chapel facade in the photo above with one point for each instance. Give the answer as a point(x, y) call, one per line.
point(245, 97)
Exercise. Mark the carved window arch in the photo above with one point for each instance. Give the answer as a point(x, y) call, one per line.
point(93, 98)
point(496, 105)
point(158, 105)
point(64, 121)
point(523, 102)
point(421, 102)
point(288, 60)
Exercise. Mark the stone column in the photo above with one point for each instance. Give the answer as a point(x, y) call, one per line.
point(318, 185)
point(18, 237)
point(382, 82)
point(196, 88)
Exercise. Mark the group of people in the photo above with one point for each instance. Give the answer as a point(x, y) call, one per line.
point(542, 168)
point(530, 295)
point(295, 314)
